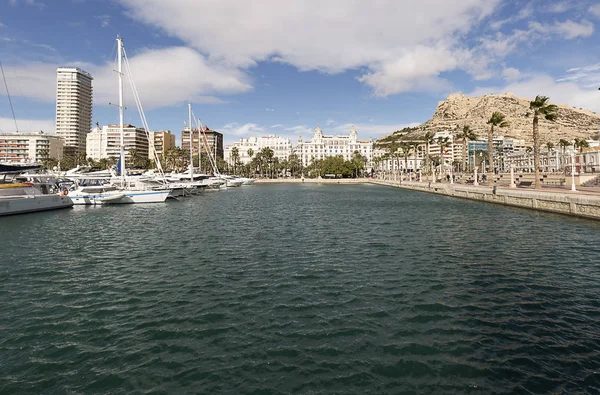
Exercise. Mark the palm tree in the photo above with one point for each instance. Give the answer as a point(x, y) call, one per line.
point(406, 151)
point(428, 141)
point(550, 146)
point(395, 156)
point(235, 157)
point(250, 153)
point(497, 120)
point(415, 146)
point(563, 144)
point(443, 142)
point(580, 144)
point(540, 106)
point(466, 135)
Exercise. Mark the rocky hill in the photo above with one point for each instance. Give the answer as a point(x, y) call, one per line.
point(459, 110)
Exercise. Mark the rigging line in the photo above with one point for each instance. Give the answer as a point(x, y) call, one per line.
point(143, 116)
point(9, 100)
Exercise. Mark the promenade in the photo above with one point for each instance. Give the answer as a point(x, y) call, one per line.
point(581, 203)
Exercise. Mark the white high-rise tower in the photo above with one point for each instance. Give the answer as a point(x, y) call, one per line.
point(73, 108)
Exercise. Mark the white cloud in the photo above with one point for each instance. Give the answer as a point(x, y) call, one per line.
point(329, 36)
point(329, 122)
point(36, 3)
point(595, 10)
point(560, 7)
point(7, 125)
point(299, 130)
point(269, 109)
point(369, 130)
point(572, 29)
point(511, 74)
point(245, 130)
point(276, 125)
point(164, 77)
point(415, 70)
point(104, 20)
point(586, 77)
point(560, 92)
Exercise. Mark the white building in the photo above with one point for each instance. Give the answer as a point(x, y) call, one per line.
point(29, 147)
point(282, 147)
point(95, 147)
point(73, 108)
point(321, 147)
point(106, 142)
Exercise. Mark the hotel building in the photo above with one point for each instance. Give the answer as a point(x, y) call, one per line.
point(322, 146)
point(212, 141)
point(73, 108)
point(29, 147)
point(106, 142)
point(162, 142)
point(282, 147)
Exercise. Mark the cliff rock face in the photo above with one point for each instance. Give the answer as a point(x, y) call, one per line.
point(459, 110)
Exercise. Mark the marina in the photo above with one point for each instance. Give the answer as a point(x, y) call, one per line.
point(433, 294)
point(326, 197)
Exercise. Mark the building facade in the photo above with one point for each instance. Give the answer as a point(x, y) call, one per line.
point(209, 141)
point(161, 142)
point(95, 146)
point(30, 147)
point(106, 142)
point(322, 146)
point(282, 148)
point(73, 108)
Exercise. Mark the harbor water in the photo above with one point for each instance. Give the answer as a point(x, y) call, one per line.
point(275, 289)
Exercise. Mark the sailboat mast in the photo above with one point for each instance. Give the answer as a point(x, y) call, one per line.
point(120, 72)
point(191, 143)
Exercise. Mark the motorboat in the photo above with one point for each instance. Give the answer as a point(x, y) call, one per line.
point(247, 181)
point(110, 194)
point(26, 198)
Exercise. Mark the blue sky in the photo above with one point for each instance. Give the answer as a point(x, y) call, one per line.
point(282, 67)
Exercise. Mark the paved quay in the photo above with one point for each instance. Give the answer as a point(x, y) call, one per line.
point(585, 203)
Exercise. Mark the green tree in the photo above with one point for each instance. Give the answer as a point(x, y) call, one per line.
point(540, 106)
point(580, 144)
point(358, 162)
point(406, 150)
point(235, 158)
point(496, 120)
point(550, 147)
point(429, 139)
point(467, 134)
point(443, 142)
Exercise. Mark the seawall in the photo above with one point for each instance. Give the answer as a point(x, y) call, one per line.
point(313, 180)
point(569, 203)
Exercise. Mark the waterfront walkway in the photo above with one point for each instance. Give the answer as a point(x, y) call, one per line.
point(581, 203)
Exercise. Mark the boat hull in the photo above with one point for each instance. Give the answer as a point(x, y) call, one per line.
point(127, 198)
point(30, 204)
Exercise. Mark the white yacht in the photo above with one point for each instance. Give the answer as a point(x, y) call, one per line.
point(102, 191)
point(247, 181)
point(25, 198)
point(122, 189)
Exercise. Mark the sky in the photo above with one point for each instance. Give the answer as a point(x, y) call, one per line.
point(253, 68)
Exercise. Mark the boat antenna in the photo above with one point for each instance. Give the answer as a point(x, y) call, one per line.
point(9, 99)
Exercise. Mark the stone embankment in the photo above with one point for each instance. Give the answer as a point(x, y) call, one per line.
point(585, 205)
point(312, 180)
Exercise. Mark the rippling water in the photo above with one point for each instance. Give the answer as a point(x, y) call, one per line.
point(300, 289)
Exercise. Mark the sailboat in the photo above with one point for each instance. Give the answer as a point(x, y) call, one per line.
point(124, 190)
